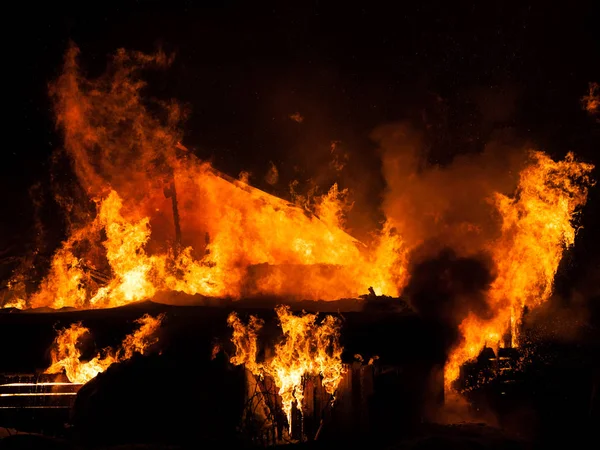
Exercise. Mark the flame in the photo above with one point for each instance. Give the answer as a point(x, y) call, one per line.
point(16, 290)
point(162, 220)
point(17, 304)
point(245, 339)
point(538, 225)
point(307, 348)
point(591, 101)
point(124, 244)
point(237, 240)
point(66, 354)
point(295, 239)
point(297, 117)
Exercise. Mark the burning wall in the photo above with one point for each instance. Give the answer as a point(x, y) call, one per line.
point(308, 348)
point(506, 213)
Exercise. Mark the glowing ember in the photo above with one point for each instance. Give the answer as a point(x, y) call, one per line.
point(66, 354)
point(591, 101)
point(537, 227)
point(307, 348)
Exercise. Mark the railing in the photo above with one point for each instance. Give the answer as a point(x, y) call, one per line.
point(31, 391)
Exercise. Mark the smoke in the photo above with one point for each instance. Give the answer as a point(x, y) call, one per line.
point(571, 316)
point(451, 204)
point(476, 231)
point(448, 220)
point(445, 287)
point(109, 134)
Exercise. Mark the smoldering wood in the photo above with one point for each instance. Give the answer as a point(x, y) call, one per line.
point(96, 275)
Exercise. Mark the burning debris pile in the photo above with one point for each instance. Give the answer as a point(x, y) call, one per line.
point(308, 348)
point(148, 217)
point(66, 356)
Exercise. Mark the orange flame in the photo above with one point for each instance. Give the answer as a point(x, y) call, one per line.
point(266, 231)
point(66, 354)
point(307, 348)
point(591, 101)
point(126, 160)
point(537, 228)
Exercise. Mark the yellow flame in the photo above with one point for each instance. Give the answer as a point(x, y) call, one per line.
point(66, 354)
point(308, 348)
point(18, 303)
point(537, 227)
point(248, 232)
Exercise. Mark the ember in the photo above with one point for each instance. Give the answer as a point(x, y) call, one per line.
point(591, 101)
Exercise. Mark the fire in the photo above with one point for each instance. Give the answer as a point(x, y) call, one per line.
point(167, 221)
point(66, 354)
point(307, 348)
point(135, 275)
point(245, 339)
point(538, 225)
point(154, 218)
point(591, 101)
point(18, 303)
point(16, 290)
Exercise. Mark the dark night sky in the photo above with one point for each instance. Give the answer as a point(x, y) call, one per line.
point(244, 69)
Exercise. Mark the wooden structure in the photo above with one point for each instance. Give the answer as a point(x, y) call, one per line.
point(36, 402)
point(32, 391)
point(369, 397)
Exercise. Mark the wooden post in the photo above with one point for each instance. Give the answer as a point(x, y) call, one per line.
point(296, 427)
point(171, 192)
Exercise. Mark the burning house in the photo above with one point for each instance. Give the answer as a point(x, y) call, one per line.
point(179, 286)
point(299, 380)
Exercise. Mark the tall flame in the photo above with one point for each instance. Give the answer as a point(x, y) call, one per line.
point(66, 354)
point(538, 225)
point(307, 348)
